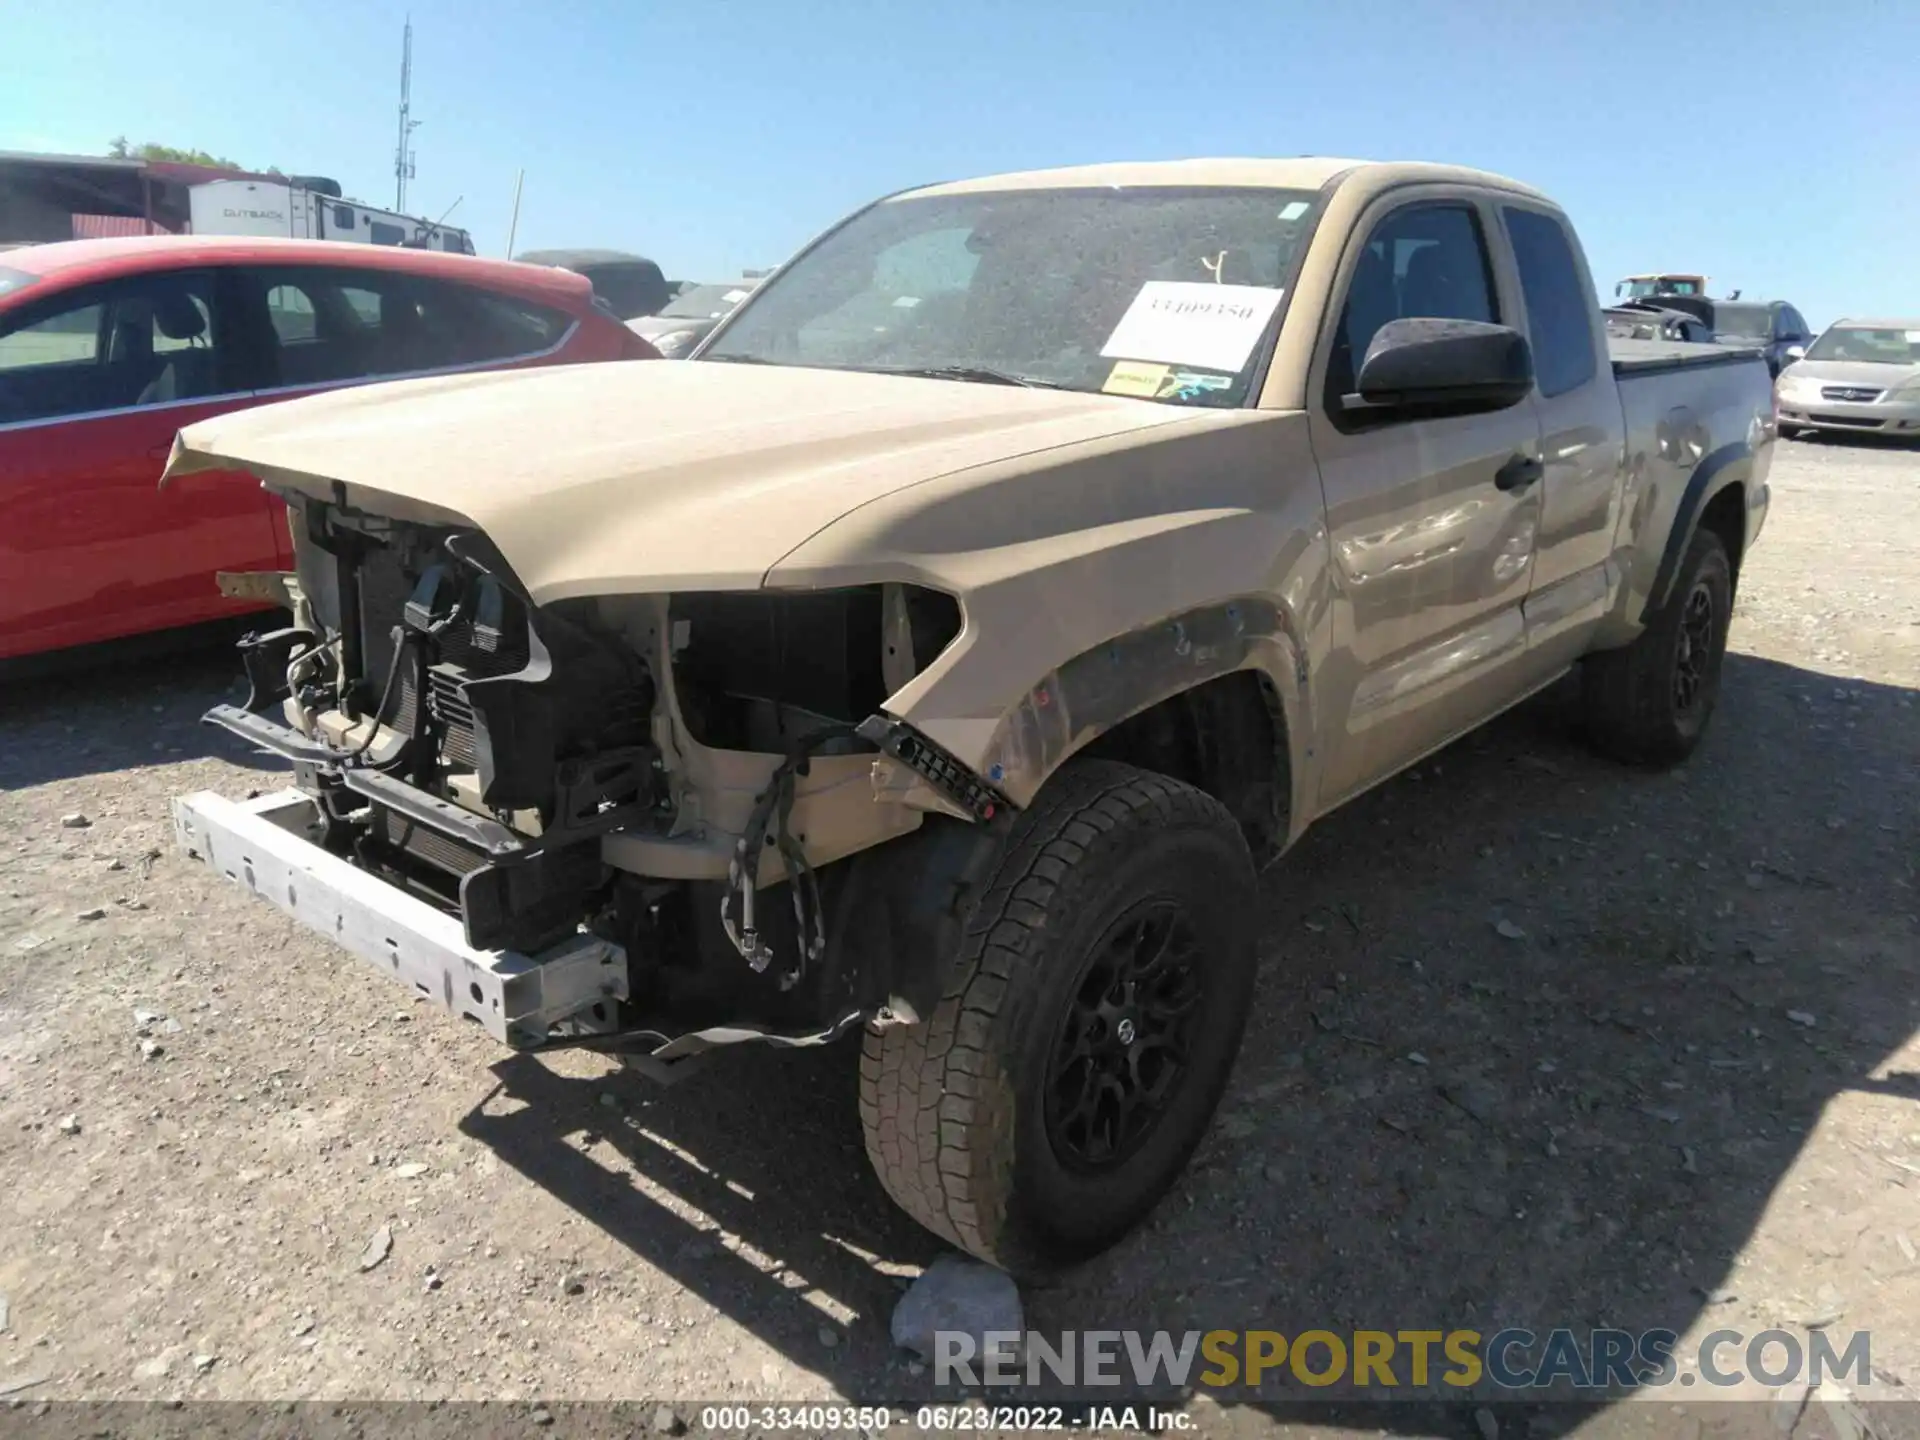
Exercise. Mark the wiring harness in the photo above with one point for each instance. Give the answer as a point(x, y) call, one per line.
point(769, 823)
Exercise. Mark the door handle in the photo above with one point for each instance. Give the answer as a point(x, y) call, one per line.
point(1518, 473)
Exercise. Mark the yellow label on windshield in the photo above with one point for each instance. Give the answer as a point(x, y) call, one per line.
point(1134, 377)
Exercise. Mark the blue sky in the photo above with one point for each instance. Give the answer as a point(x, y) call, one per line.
point(1767, 144)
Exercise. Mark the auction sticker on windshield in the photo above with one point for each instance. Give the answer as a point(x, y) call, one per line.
point(1188, 322)
point(1185, 385)
point(1131, 377)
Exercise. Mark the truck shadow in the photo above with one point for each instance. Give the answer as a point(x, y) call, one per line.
point(1538, 1039)
point(154, 687)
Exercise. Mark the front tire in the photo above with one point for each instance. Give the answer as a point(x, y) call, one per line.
point(1649, 703)
point(1095, 1012)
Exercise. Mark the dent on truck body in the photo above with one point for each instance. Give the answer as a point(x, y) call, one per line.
point(1673, 471)
point(1100, 688)
point(1104, 547)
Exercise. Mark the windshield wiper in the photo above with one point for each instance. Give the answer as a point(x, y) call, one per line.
point(978, 373)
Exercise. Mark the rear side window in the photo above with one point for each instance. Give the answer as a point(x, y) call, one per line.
point(290, 309)
point(498, 327)
point(334, 326)
point(367, 304)
point(1559, 312)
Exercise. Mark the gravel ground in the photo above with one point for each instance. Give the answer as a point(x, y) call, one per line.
point(1676, 1087)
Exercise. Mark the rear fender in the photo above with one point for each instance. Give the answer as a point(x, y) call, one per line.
point(1670, 484)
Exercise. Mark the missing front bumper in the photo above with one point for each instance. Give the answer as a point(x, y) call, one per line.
point(568, 994)
point(517, 999)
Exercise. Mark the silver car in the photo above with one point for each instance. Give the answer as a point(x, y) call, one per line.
point(1860, 375)
point(691, 317)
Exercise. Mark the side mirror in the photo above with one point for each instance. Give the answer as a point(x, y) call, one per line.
point(1796, 352)
point(1431, 367)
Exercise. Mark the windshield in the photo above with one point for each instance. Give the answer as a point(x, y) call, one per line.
point(1743, 322)
point(706, 302)
point(1161, 294)
point(1861, 342)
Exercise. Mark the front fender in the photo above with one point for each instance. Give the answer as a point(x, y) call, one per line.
point(1076, 703)
point(1097, 580)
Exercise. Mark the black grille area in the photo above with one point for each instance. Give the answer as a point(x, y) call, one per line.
point(1860, 394)
point(437, 850)
point(467, 696)
point(484, 654)
point(465, 653)
point(447, 704)
point(628, 712)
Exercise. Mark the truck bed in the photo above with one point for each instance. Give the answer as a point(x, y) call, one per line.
point(1648, 357)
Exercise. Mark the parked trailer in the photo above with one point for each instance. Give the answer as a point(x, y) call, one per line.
point(255, 207)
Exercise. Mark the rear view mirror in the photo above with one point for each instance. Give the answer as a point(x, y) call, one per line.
point(1443, 367)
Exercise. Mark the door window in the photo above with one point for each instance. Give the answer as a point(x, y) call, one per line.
point(67, 337)
point(1421, 262)
point(1559, 310)
point(151, 340)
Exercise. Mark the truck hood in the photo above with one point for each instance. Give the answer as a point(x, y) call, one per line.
point(1868, 374)
point(647, 476)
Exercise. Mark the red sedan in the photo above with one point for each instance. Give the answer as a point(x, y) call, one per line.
point(107, 347)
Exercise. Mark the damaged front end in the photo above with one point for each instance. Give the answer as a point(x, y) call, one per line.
point(646, 824)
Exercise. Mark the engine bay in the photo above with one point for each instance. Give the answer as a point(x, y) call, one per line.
point(676, 775)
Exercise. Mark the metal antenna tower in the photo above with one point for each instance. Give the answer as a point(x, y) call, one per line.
point(403, 153)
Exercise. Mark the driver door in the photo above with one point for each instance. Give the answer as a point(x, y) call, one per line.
point(1431, 522)
point(94, 383)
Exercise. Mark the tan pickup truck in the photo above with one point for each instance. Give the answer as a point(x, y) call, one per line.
point(942, 650)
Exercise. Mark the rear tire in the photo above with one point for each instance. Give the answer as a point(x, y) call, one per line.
point(1649, 703)
point(1092, 1022)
